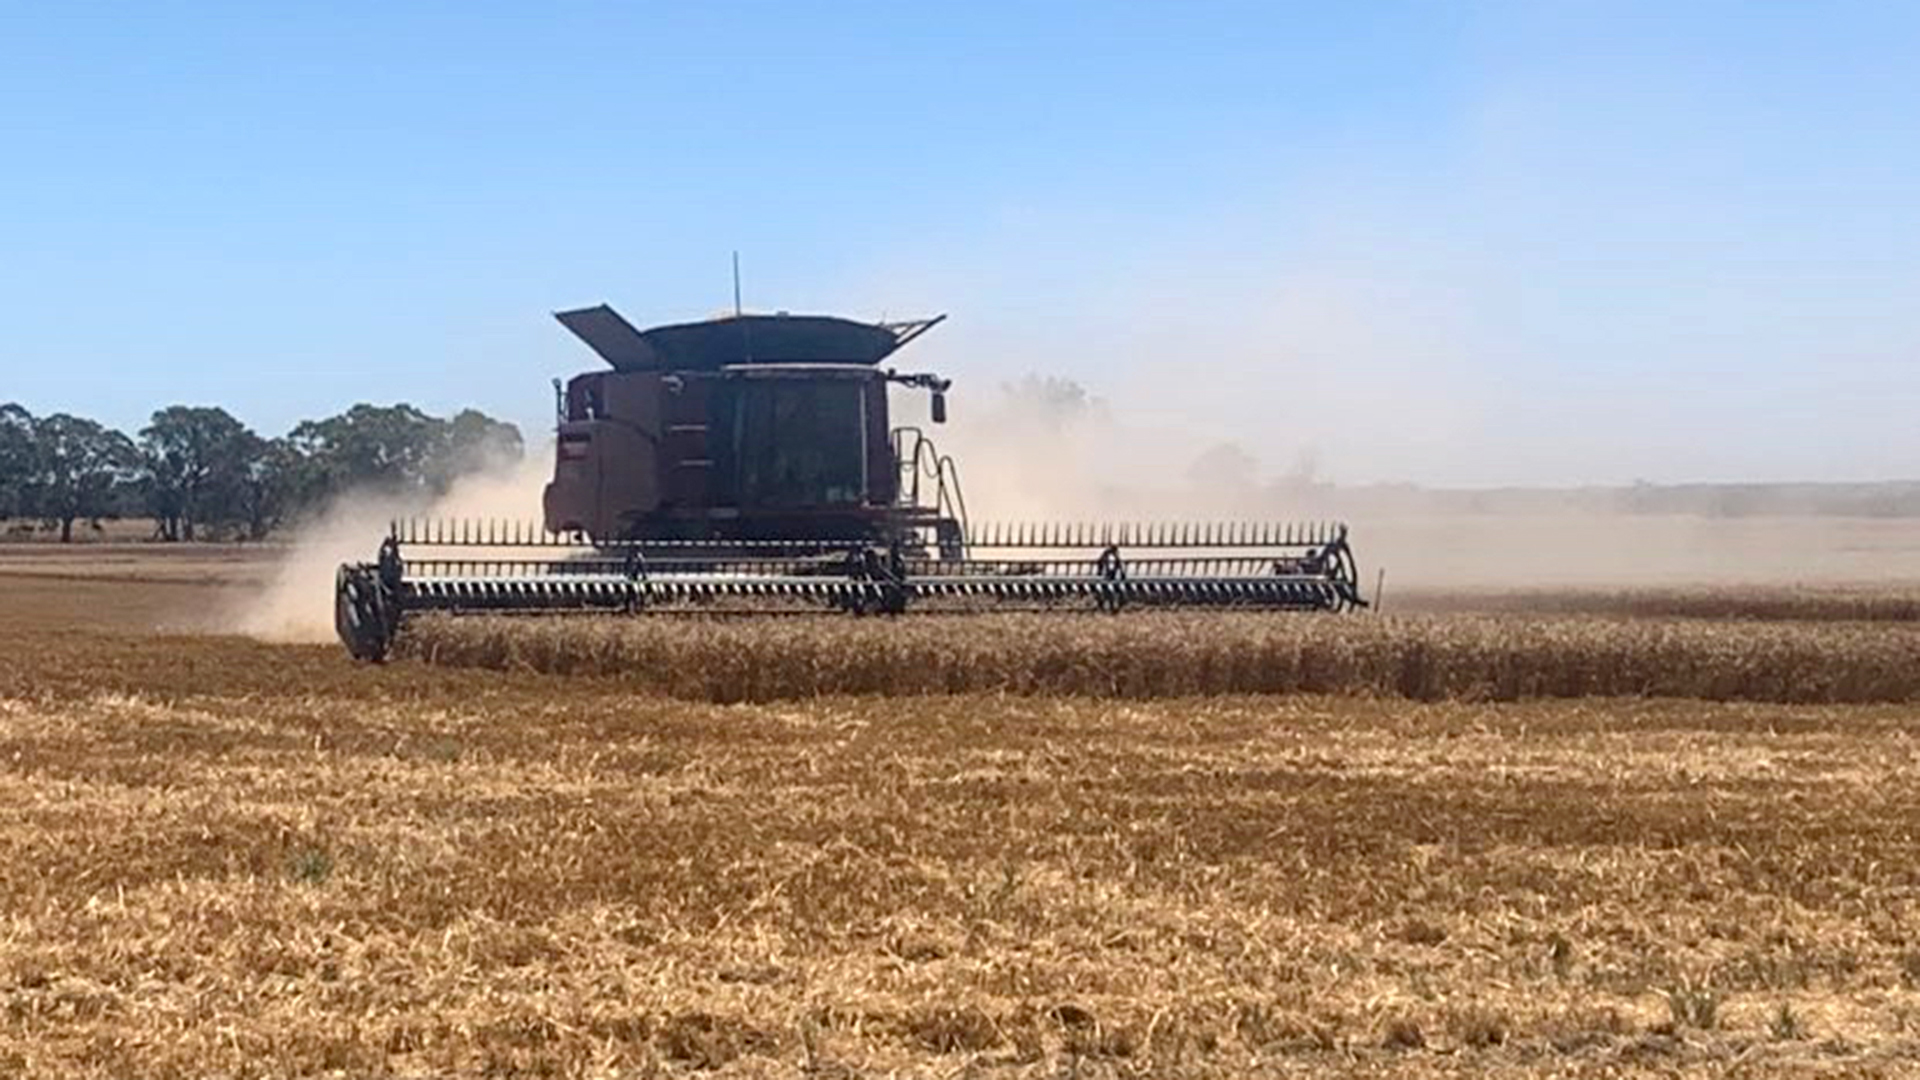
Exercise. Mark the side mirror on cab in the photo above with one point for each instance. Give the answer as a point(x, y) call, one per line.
point(939, 407)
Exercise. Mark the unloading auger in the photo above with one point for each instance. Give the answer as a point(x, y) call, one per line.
point(746, 465)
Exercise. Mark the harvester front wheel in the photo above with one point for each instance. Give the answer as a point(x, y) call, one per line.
point(1344, 572)
point(362, 615)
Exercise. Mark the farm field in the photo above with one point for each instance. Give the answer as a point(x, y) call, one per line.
point(510, 857)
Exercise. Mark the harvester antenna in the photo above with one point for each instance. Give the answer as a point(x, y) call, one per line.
point(746, 336)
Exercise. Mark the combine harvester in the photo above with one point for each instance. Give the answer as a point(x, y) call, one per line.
point(747, 464)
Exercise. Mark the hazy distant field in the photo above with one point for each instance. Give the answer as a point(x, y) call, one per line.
point(232, 858)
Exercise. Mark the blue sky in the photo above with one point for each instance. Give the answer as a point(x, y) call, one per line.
point(1452, 243)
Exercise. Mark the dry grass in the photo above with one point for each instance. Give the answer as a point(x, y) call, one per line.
point(1144, 655)
point(231, 859)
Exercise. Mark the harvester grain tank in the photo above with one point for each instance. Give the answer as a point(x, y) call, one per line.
point(749, 464)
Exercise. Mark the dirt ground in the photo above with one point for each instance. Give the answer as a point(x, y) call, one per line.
point(230, 858)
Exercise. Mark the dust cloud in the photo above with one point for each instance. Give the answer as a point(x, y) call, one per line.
point(1045, 449)
point(296, 603)
point(1370, 373)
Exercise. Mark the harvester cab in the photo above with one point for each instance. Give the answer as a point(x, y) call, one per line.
point(755, 427)
point(749, 463)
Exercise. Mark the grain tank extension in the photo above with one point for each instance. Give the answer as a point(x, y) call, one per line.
point(749, 464)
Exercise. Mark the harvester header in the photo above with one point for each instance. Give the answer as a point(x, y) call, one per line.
point(747, 464)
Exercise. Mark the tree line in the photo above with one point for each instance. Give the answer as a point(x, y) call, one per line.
point(200, 474)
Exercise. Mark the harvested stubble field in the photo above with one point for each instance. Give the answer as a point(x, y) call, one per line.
point(225, 858)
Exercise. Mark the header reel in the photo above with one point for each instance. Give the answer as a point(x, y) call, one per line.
point(496, 567)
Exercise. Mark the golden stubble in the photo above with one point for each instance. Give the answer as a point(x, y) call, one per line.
point(230, 858)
